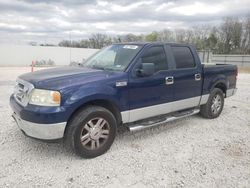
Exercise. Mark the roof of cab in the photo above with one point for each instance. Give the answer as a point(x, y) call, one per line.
point(156, 43)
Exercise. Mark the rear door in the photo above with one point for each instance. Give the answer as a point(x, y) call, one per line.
point(187, 78)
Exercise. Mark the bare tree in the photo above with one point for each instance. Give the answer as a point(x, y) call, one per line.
point(131, 38)
point(232, 36)
point(166, 35)
point(245, 42)
point(99, 40)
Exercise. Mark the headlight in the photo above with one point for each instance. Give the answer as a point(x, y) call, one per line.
point(43, 97)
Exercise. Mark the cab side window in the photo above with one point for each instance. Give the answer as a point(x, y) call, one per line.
point(183, 57)
point(156, 55)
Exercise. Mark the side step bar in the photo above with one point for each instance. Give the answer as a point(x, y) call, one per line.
point(144, 125)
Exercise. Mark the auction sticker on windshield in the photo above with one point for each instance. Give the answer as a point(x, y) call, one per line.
point(130, 47)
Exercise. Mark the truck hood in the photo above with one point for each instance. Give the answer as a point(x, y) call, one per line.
point(62, 77)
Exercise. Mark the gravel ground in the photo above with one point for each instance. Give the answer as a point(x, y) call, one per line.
point(191, 152)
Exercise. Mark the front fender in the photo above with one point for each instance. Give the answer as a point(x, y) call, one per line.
point(90, 93)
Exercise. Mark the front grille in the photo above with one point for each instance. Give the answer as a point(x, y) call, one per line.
point(22, 91)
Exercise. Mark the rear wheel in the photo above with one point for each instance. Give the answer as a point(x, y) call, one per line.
point(91, 131)
point(214, 106)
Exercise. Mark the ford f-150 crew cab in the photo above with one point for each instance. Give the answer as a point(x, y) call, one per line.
point(136, 85)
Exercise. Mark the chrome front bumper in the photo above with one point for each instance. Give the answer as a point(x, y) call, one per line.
point(40, 131)
point(231, 92)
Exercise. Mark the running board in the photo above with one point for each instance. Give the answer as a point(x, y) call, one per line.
point(161, 120)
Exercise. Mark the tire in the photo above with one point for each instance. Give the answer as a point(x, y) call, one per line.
point(91, 131)
point(214, 106)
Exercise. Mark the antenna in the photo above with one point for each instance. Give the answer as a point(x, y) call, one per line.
point(70, 47)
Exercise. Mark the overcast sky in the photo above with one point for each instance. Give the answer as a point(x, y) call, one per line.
point(22, 21)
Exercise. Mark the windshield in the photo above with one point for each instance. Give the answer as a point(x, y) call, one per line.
point(114, 57)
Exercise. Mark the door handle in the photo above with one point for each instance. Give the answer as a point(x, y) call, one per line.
point(169, 80)
point(197, 77)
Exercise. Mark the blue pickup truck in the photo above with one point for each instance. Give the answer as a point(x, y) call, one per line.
point(135, 85)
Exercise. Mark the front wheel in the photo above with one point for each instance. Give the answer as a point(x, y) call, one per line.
point(213, 107)
point(91, 131)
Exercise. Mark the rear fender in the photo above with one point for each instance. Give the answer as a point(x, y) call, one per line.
point(220, 79)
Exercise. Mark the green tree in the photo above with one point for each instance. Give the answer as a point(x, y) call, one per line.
point(152, 36)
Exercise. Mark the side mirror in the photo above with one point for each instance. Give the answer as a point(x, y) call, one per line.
point(147, 69)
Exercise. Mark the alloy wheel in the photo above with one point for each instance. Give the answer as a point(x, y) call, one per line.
point(216, 104)
point(95, 133)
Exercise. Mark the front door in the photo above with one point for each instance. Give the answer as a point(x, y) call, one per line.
point(150, 95)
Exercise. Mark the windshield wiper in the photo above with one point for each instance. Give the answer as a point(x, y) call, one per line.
point(101, 68)
point(97, 67)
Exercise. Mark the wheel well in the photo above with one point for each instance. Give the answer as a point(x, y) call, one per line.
point(221, 86)
point(110, 106)
point(105, 104)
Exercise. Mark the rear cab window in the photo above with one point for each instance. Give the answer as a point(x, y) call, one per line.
point(183, 57)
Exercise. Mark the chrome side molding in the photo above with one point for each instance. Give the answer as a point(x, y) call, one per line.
point(231, 92)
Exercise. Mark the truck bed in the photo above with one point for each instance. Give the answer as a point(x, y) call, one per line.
point(216, 65)
point(224, 72)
